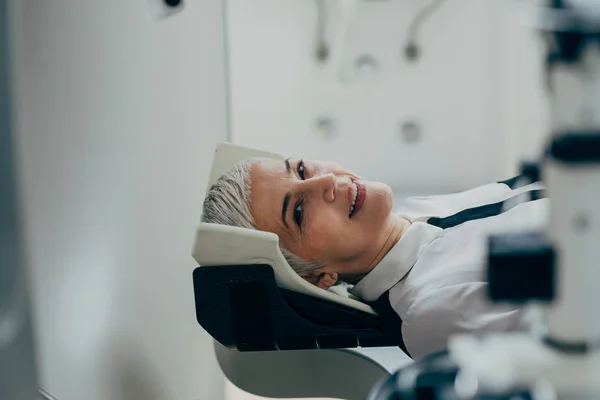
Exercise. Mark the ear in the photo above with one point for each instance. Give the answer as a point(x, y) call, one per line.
point(322, 280)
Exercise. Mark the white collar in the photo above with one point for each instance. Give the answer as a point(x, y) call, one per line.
point(397, 262)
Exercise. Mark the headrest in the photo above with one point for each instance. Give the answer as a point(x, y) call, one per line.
point(217, 244)
point(227, 155)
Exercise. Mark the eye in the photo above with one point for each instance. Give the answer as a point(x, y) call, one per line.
point(298, 214)
point(301, 170)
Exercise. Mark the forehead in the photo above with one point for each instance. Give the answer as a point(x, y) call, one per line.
point(267, 168)
point(269, 182)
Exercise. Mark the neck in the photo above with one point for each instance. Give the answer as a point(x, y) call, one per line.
point(399, 225)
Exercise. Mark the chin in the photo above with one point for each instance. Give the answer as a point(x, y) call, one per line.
point(381, 188)
point(382, 194)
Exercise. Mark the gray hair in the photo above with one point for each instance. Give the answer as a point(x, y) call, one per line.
point(228, 203)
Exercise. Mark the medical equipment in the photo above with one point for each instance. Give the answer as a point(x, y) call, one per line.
point(560, 358)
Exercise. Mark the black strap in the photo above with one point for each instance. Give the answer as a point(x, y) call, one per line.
point(485, 211)
point(392, 323)
point(512, 182)
point(530, 173)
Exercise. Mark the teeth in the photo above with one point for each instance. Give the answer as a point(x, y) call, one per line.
point(354, 201)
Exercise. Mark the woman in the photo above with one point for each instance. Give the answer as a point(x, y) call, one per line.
point(426, 262)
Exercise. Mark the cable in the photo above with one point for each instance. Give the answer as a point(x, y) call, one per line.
point(411, 50)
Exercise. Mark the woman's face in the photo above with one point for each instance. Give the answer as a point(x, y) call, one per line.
point(321, 211)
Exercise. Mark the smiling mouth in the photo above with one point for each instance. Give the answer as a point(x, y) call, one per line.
point(360, 193)
point(353, 205)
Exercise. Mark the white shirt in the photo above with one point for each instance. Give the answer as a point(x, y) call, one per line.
point(436, 277)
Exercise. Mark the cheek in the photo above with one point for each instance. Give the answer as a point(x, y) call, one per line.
point(325, 234)
point(327, 227)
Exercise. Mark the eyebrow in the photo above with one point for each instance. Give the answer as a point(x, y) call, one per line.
point(286, 202)
point(288, 196)
point(288, 167)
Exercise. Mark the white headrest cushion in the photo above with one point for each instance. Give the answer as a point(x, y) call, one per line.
point(227, 155)
point(226, 245)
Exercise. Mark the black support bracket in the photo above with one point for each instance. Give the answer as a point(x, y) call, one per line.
point(242, 307)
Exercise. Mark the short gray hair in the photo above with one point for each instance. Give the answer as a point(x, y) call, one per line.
point(228, 203)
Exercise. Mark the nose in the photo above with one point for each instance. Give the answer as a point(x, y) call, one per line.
point(322, 185)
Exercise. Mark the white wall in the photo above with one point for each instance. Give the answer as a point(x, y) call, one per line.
point(474, 91)
point(119, 115)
